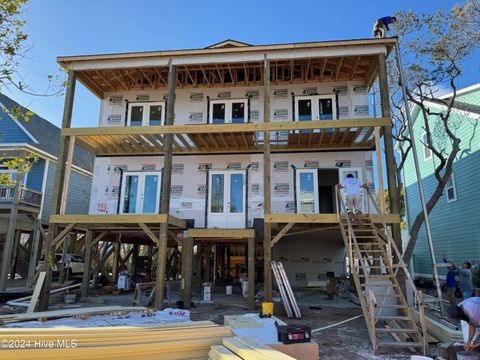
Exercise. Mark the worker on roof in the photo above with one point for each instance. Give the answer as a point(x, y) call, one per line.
point(380, 27)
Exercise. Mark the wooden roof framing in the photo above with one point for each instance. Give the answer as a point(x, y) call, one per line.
point(231, 65)
point(101, 81)
point(343, 134)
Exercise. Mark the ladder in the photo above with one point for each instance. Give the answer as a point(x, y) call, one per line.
point(388, 316)
point(288, 298)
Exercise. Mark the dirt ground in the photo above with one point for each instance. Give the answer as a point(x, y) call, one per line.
point(347, 341)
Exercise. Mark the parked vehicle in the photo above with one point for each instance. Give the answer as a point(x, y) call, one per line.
point(73, 264)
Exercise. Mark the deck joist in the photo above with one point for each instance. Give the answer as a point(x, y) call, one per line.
point(289, 136)
point(324, 218)
point(120, 221)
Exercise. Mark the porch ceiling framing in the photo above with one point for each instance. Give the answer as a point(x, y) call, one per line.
point(234, 73)
point(341, 134)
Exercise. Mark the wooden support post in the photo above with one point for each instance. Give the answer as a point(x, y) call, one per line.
point(16, 246)
point(222, 262)
point(136, 248)
point(206, 263)
point(187, 260)
point(229, 264)
point(166, 184)
point(86, 264)
point(267, 209)
point(58, 185)
point(63, 275)
point(33, 259)
point(68, 170)
point(391, 165)
point(381, 186)
point(116, 256)
point(10, 238)
point(251, 273)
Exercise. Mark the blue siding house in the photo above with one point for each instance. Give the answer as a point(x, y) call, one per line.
point(40, 137)
point(454, 220)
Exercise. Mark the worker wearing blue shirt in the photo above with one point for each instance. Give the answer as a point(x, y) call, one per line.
point(381, 26)
point(451, 282)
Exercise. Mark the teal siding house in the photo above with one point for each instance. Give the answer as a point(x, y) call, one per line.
point(455, 219)
point(42, 138)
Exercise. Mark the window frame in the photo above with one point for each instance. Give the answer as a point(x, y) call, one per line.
point(315, 108)
point(454, 187)
point(146, 111)
point(228, 109)
point(425, 148)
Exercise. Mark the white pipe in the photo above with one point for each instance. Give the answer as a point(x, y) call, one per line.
point(20, 301)
point(336, 324)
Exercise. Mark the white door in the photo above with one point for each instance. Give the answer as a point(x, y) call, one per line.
point(226, 199)
point(146, 114)
point(357, 174)
point(228, 111)
point(316, 107)
point(140, 193)
point(307, 191)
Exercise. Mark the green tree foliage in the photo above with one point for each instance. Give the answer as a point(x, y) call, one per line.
point(435, 47)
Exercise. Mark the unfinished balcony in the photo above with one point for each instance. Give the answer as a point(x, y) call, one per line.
point(288, 136)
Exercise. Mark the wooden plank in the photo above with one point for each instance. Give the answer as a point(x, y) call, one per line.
point(281, 233)
point(226, 128)
point(68, 170)
point(221, 233)
point(323, 218)
point(264, 349)
point(149, 233)
point(36, 292)
point(115, 219)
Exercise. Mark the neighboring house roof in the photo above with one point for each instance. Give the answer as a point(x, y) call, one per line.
point(41, 133)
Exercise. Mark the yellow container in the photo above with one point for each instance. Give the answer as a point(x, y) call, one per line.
point(267, 308)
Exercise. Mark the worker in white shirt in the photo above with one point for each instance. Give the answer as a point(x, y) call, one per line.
point(469, 311)
point(353, 193)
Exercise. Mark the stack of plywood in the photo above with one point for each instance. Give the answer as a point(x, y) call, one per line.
point(187, 340)
point(245, 348)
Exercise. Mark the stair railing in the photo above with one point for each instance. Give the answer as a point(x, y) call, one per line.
point(366, 297)
point(418, 298)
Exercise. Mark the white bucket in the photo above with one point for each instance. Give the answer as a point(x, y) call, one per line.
point(245, 289)
point(419, 357)
point(229, 289)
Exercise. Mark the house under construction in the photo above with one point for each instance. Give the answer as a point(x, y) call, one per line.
point(230, 155)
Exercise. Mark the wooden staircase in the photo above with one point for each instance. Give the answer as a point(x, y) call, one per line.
point(388, 316)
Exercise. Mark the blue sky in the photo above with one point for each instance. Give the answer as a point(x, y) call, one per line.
point(59, 27)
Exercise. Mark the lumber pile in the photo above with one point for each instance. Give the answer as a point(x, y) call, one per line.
point(245, 348)
point(186, 340)
point(79, 312)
